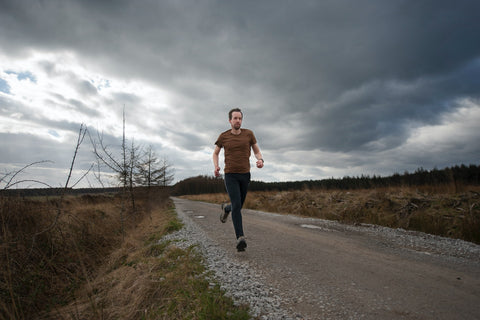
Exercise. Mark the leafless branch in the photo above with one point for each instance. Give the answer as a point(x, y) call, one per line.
point(10, 184)
point(81, 136)
point(98, 175)
point(83, 176)
point(30, 180)
point(102, 153)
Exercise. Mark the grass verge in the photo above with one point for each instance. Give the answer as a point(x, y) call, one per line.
point(148, 278)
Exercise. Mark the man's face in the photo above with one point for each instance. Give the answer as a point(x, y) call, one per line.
point(236, 121)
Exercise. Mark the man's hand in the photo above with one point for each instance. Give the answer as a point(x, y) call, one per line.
point(260, 164)
point(217, 172)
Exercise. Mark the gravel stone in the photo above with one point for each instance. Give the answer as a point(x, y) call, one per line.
point(240, 281)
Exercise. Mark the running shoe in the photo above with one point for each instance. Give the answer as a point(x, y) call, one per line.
point(241, 244)
point(224, 214)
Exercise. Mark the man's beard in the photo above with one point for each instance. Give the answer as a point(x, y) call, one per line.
point(237, 126)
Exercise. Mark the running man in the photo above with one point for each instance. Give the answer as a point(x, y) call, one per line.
point(237, 144)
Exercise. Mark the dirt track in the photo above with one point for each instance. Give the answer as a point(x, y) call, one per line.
point(330, 271)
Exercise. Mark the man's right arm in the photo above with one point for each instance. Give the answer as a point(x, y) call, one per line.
point(216, 152)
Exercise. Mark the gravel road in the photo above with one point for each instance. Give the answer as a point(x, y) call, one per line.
point(304, 268)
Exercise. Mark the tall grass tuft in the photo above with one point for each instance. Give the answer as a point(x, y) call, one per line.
point(42, 266)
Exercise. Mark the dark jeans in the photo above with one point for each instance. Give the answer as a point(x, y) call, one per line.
point(237, 185)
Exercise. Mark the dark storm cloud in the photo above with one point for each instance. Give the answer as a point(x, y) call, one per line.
point(74, 104)
point(17, 148)
point(86, 88)
point(21, 148)
point(7, 106)
point(190, 141)
point(387, 111)
point(346, 77)
point(17, 110)
point(314, 50)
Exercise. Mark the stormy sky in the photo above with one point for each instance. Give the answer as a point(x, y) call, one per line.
point(330, 88)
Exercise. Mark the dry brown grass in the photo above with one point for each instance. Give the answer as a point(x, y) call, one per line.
point(84, 268)
point(445, 210)
point(123, 286)
point(42, 268)
point(45, 263)
point(148, 279)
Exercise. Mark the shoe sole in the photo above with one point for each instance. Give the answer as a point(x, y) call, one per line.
point(241, 245)
point(223, 217)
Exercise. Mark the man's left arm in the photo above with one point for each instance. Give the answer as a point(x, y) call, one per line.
point(258, 155)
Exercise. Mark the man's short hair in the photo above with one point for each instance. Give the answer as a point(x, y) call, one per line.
point(232, 111)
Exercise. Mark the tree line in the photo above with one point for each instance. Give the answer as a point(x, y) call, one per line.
point(457, 175)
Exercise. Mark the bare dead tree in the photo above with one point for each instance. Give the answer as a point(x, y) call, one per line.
point(123, 165)
point(152, 171)
point(147, 168)
point(167, 173)
point(97, 174)
point(133, 164)
point(124, 152)
point(104, 156)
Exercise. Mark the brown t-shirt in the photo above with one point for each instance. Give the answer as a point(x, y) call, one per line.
point(237, 150)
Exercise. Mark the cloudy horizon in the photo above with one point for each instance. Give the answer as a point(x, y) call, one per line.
point(330, 88)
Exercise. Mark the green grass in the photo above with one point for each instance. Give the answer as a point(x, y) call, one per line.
point(174, 225)
point(192, 295)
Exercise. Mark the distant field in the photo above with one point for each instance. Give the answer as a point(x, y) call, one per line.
point(434, 210)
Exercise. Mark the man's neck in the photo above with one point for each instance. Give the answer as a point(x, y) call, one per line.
point(236, 132)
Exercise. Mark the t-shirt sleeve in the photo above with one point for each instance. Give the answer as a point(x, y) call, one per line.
point(219, 141)
point(253, 140)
